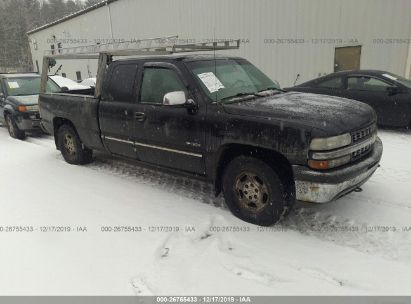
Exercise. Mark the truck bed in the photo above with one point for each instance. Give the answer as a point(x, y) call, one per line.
point(55, 108)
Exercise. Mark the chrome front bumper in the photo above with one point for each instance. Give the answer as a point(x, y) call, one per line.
point(322, 187)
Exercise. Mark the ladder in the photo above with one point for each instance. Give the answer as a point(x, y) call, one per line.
point(144, 47)
point(151, 46)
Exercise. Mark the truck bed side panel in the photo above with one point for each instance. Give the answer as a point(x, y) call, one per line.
point(80, 110)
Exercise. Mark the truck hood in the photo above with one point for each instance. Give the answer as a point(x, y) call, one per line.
point(24, 100)
point(328, 115)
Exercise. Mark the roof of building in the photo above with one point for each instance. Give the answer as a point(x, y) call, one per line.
point(71, 16)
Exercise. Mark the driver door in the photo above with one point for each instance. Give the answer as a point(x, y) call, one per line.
point(169, 136)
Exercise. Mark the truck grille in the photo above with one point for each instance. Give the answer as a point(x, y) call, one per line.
point(362, 134)
point(356, 155)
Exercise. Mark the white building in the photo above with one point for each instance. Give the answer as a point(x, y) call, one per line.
point(282, 37)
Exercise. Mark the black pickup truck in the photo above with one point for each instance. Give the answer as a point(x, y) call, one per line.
point(222, 119)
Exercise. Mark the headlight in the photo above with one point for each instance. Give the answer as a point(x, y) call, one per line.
point(34, 108)
point(330, 143)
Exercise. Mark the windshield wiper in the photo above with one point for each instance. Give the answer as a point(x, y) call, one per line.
point(270, 89)
point(252, 94)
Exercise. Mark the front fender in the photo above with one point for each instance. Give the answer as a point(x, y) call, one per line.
point(10, 109)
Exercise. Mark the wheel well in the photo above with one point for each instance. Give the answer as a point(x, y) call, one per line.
point(57, 123)
point(276, 160)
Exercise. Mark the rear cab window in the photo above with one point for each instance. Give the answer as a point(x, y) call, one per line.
point(121, 83)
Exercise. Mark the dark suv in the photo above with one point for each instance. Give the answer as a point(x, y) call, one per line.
point(19, 102)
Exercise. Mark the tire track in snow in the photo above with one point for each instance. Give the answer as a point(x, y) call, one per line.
point(199, 245)
point(324, 226)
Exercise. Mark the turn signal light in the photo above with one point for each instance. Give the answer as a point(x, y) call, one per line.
point(318, 164)
point(22, 108)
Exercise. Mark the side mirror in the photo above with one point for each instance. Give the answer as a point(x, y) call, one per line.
point(175, 99)
point(393, 90)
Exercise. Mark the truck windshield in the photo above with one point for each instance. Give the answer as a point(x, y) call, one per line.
point(225, 78)
point(28, 86)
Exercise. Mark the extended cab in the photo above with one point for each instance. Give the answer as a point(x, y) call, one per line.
point(222, 119)
point(19, 102)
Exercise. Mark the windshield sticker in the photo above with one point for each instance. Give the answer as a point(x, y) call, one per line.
point(389, 76)
point(211, 81)
point(13, 85)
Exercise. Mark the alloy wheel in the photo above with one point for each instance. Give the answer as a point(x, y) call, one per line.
point(251, 191)
point(69, 144)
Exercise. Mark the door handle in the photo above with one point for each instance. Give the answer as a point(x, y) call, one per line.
point(140, 116)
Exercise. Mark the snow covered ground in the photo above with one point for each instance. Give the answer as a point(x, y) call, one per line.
point(341, 248)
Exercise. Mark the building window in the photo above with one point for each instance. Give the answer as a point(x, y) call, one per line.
point(64, 75)
point(59, 47)
point(52, 47)
point(78, 74)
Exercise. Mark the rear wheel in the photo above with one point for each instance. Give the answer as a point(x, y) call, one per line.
point(13, 129)
point(73, 151)
point(255, 192)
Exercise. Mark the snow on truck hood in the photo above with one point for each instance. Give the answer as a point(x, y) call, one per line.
point(320, 112)
point(25, 100)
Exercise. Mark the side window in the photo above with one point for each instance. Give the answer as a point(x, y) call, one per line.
point(365, 83)
point(78, 75)
point(122, 83)
point(333, 83)
point(157, 82)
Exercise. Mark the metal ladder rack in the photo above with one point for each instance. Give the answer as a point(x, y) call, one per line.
point(152, 46)
point(144, 47)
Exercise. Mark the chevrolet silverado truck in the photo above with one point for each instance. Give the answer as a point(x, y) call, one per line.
point(221, 119)
point(19, 102)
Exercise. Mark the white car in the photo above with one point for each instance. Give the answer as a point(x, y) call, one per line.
point(71, 85)
point(91, 82)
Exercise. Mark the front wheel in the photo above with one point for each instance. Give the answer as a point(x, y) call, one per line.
point(13, 129)
point(255, 192)
point(73, 151)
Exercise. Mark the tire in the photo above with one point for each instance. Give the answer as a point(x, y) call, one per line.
point(255, 192)
point(73, 151)
point(13, 129)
